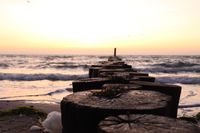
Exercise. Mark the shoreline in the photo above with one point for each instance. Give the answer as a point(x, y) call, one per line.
point(44, 107)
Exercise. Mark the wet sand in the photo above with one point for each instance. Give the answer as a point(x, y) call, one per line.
point(22, 123)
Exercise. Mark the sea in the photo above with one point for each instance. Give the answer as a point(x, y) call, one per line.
point(48, 78)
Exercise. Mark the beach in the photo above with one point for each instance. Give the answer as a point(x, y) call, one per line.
point(22, 123)
point(47, 108)
point(42, 81)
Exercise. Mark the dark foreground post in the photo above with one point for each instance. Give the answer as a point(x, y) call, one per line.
point(145, 124)
point(82, 111)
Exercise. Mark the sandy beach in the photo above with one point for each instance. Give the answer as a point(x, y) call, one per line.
point(22, 123)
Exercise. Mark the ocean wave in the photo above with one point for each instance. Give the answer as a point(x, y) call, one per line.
point(176, 64)
point(34, 77)
point(37, 95)
point(189, 106)
point(182, 80)
point(62, 65)
point(194, 69)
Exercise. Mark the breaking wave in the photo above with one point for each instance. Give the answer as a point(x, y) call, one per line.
point(34, 77)
point(176, 64)
point(62, 65)
point(182, 80)
point(195, 69)
point(189, 106)
point(36, 95)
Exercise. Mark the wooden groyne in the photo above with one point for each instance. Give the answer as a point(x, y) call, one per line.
point(116, 93)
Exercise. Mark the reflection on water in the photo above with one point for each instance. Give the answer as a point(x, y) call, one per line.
point(190, 96)
point(35, 90)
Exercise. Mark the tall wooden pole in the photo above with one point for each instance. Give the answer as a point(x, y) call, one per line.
point(115, 50)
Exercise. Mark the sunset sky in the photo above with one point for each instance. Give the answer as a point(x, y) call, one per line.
point(97, 26)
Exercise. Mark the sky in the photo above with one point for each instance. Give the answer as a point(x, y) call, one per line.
point(134, 27)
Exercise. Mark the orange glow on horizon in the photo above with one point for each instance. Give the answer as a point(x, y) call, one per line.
point(96, 27)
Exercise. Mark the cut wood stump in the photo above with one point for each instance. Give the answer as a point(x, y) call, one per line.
point(145, 124)
point(89, 83)
point(107, 63)
point(138, 74)
point(96, 83)
point(94, 72)
point(116, 66)
point(118, 70)
point(142, 78)
point(127, 74)
point(94, 69)
point(82, 111)
point(111, 63)
point(172, 90)
point(122, 86)
point(115, 58)
point(116, 62)
point(113, 74)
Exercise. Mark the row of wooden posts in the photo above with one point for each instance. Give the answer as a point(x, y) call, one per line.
point(118, 99)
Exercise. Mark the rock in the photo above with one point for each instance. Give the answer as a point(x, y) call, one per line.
point(52, 123)
point(35, 128)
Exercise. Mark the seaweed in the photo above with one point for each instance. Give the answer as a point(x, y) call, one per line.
point(192, 119)
point(23, 110)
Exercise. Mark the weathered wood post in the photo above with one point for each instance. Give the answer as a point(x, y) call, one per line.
point(82, 111)
point(114, 57)
point(130, 123)
point(96, 83)
point(172, 90)
point(115, 52)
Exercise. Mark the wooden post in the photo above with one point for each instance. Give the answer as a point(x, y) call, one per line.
point(143, 123)
point(82, 111)
point(171, 90)
point(115, 50)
